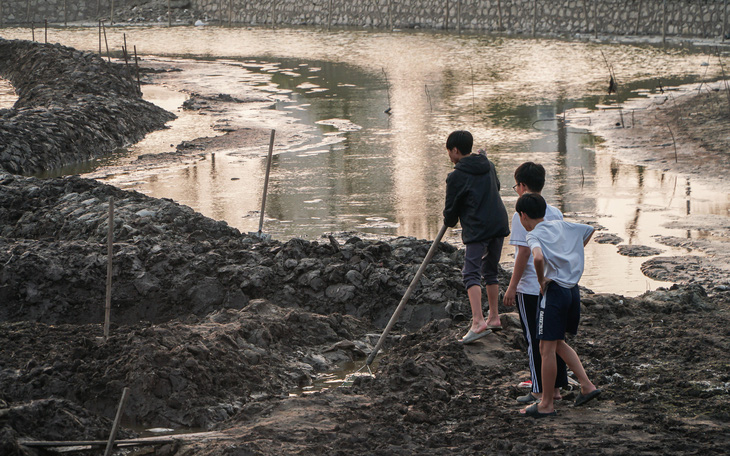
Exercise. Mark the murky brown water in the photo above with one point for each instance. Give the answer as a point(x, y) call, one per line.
point(346, 165)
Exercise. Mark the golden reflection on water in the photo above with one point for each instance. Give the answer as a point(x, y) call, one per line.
point(342, 163)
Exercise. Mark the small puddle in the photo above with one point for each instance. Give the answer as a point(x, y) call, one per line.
point(340, 377)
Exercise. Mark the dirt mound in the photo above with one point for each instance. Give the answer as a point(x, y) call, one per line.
point(72, 106)
point(434, 396)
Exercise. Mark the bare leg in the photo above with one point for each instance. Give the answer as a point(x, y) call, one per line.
point(549, 372)
point(493, 299)
point(477, 315)
point(571, 359)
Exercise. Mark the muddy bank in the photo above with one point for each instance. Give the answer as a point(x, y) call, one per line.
point(683, 130)
point(72, 106)
point(180, 262)
point(214, 328)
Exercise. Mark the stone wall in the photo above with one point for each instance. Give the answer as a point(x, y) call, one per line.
point(699, 18)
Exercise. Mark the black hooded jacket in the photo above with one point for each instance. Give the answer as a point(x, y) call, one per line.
point(472, 198)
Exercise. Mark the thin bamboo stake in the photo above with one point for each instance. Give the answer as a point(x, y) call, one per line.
point(406, 296)
point(266, 182)
point(65, 13)
point(724, 20)
point(458, 16)
point(664, 22)
point(329, 14)
point(169, 14)
point(32, 30)
point(595, 18)
point(100, 54)
point(108, 55)
point(499, 15)
point(111, 14)
point(136, 67)
point(446, 16)
point(390, 14)
point(45, 30)
point(117, 419)
point(674, 141)
point(638, 19)
point(109, 255)
point(428, 96)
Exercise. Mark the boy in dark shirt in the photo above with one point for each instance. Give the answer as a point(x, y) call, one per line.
point(472, 198)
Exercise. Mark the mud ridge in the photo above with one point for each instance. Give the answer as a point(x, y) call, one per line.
point(72, 106)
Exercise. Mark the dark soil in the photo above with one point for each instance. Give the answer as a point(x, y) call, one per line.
point(213, 330)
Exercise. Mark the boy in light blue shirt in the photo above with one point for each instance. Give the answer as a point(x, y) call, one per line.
point(557, 249)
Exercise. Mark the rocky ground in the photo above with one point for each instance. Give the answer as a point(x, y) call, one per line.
point(217, 330)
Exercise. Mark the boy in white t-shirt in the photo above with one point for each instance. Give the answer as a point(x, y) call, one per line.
point(524, 289)
point(557, 249)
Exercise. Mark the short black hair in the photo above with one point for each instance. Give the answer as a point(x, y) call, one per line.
point(531, 204)
point(532, 175)
point(462, 140)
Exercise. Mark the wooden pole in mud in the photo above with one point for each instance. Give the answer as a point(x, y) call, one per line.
point(595, 18)
point(111, 14)
point(266, 181)
point(499, 15)
point(108, 56)
point(329, 14)
point(117, 419)
point(406, 296)
point(169, 15)
point(390, 14)
point(664, 21)
point(136, 68)
point(109, 255)
point(65, 13)
point(45, 31)
point(724, 20)
point(458, 16)
point(446, 16)
point(638, 19)
point(32, 30)
point(100, 54)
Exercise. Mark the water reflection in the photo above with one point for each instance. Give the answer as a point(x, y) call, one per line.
point(7, 94)
point(341, 162)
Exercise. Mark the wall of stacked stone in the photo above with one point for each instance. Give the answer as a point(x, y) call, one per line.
point(698, 18)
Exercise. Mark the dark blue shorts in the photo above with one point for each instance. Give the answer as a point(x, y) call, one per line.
point(559, 312)
point(481, 259)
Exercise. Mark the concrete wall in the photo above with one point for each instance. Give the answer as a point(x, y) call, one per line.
point(699, 18)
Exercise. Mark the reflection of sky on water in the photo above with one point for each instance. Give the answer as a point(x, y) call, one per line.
point(388, 176)
point(7, 94)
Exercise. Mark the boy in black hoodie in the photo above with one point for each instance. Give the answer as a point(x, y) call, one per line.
point(472, 198)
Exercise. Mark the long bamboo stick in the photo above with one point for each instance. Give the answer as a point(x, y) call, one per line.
point(109, 254)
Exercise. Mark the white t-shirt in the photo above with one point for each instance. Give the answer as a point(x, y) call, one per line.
point(528, 283)
point(562, 246)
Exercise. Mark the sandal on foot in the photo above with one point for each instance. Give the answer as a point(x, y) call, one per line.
point(472, 336)
point(533, 412)
point(583, 398)
point(528, 398)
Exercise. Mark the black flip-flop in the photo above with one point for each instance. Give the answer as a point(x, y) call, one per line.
point(583, 398)
point(533, 412)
